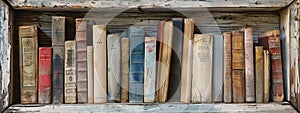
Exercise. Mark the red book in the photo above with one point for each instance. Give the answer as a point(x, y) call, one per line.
point(45, 60)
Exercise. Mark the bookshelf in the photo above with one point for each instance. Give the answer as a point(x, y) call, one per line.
point(119, 15)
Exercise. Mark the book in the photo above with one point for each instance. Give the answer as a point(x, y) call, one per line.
point(175, 73)
point(90, 73)
point(45, 61)
point(238, 66)
point(81, 61)
point(266, 76)
point(165, 61)
point(28, 37)
point(58, 48)
point(125, 70)
point(271, 41)
point(249, 65)
point(114, 67)
point(259, 74)
point(158, 56)
point(150, 69)
point(187, 58)
point(70, 72)
point(136, 77)
point(218, 68)
point(100, 66)
point(227, 96)
point(202, 68)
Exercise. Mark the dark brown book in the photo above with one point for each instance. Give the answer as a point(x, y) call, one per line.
point(259, 73)
point(28, 36)
point(58, 48)
point(81, 43)
point(228, 69)
point(45, 61)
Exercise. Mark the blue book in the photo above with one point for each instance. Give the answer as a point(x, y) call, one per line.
point(136, 77)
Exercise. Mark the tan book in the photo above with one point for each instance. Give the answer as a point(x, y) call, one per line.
point(238, 86)
point(28, 38)
point(227, 65)
point(249, 65)
point(100, 67)
point(259, 73)
point(165, 62)
point(266, 76)
point(70, 72)
point(202, 68)
point(186, 75)
point(90, 73)
point(125, 70)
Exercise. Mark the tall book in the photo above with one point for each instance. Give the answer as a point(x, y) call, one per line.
point(100, 67)
point(158, 55)
point(202, 68)
point(187, 59)
point(271, 41)
point(218, 68)
point(125, 70)
point(259, 74)
point(81, 42)
point(58, 48)
point(249, 65)
point(28, 37)
point(136, 77)
point(175, 73)
point(266, 76)
point(114, 67)
point(90, 73)
point(45, 61)
point(165, 61)
point(227, 65)
point(70, 72)
point(150, 69)
point(238, 66)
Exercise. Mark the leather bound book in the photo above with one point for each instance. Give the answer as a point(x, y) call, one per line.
point(125, 70)
point(90, 73)
point(58, 48)
point(28, 36)
point(202, 68)
point(238, 95)
point(70, 72)
point(259, 74)
point(227, 65)
point(249, 65)
point(218, 68)
point(266, 76)
point(45, 61)
point(158, 56)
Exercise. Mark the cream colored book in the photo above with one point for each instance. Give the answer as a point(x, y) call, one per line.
point(90, 72)
point(70, 72)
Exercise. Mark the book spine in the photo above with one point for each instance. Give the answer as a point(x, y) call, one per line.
point(159, 54)
point(165, 61)
point(266, 76)
point(70, 72)
point(114, 67)
point(150, 68)
point(58, 48)
point(28, 63)
point(187, 58)
point(249, 65)
point(136, 77)
point(227, 65)
point(259, 72)
point(202, 68)
point(81, 61)
point(175, 73)
point(125, 70)
point(100, 67)
point(90, 73)
point(45, 61)
point(238, 66)
point(218, 69)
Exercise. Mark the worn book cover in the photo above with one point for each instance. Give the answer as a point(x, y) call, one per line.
point(259, 74)
point(266, 76)
point(249, 65)
point(150, 69)
point(90, 73)
point(70, 72)
point(125, 70)
point(218, 68)
point(45, 61)
point(227, 65)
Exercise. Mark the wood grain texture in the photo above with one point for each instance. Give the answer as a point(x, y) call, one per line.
point(227, 65)
point(100, 67)
point(259, 74)
point(186, 75)
point(150, 69)
point(28, 36)
point(70, 73)
point(165, 61)
point(125, 70)
point(202, 68)
point(218, 68)
point(249, 65)
point(266, 76)
point(90, 73)
point(45, 63)
point(114, 67)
